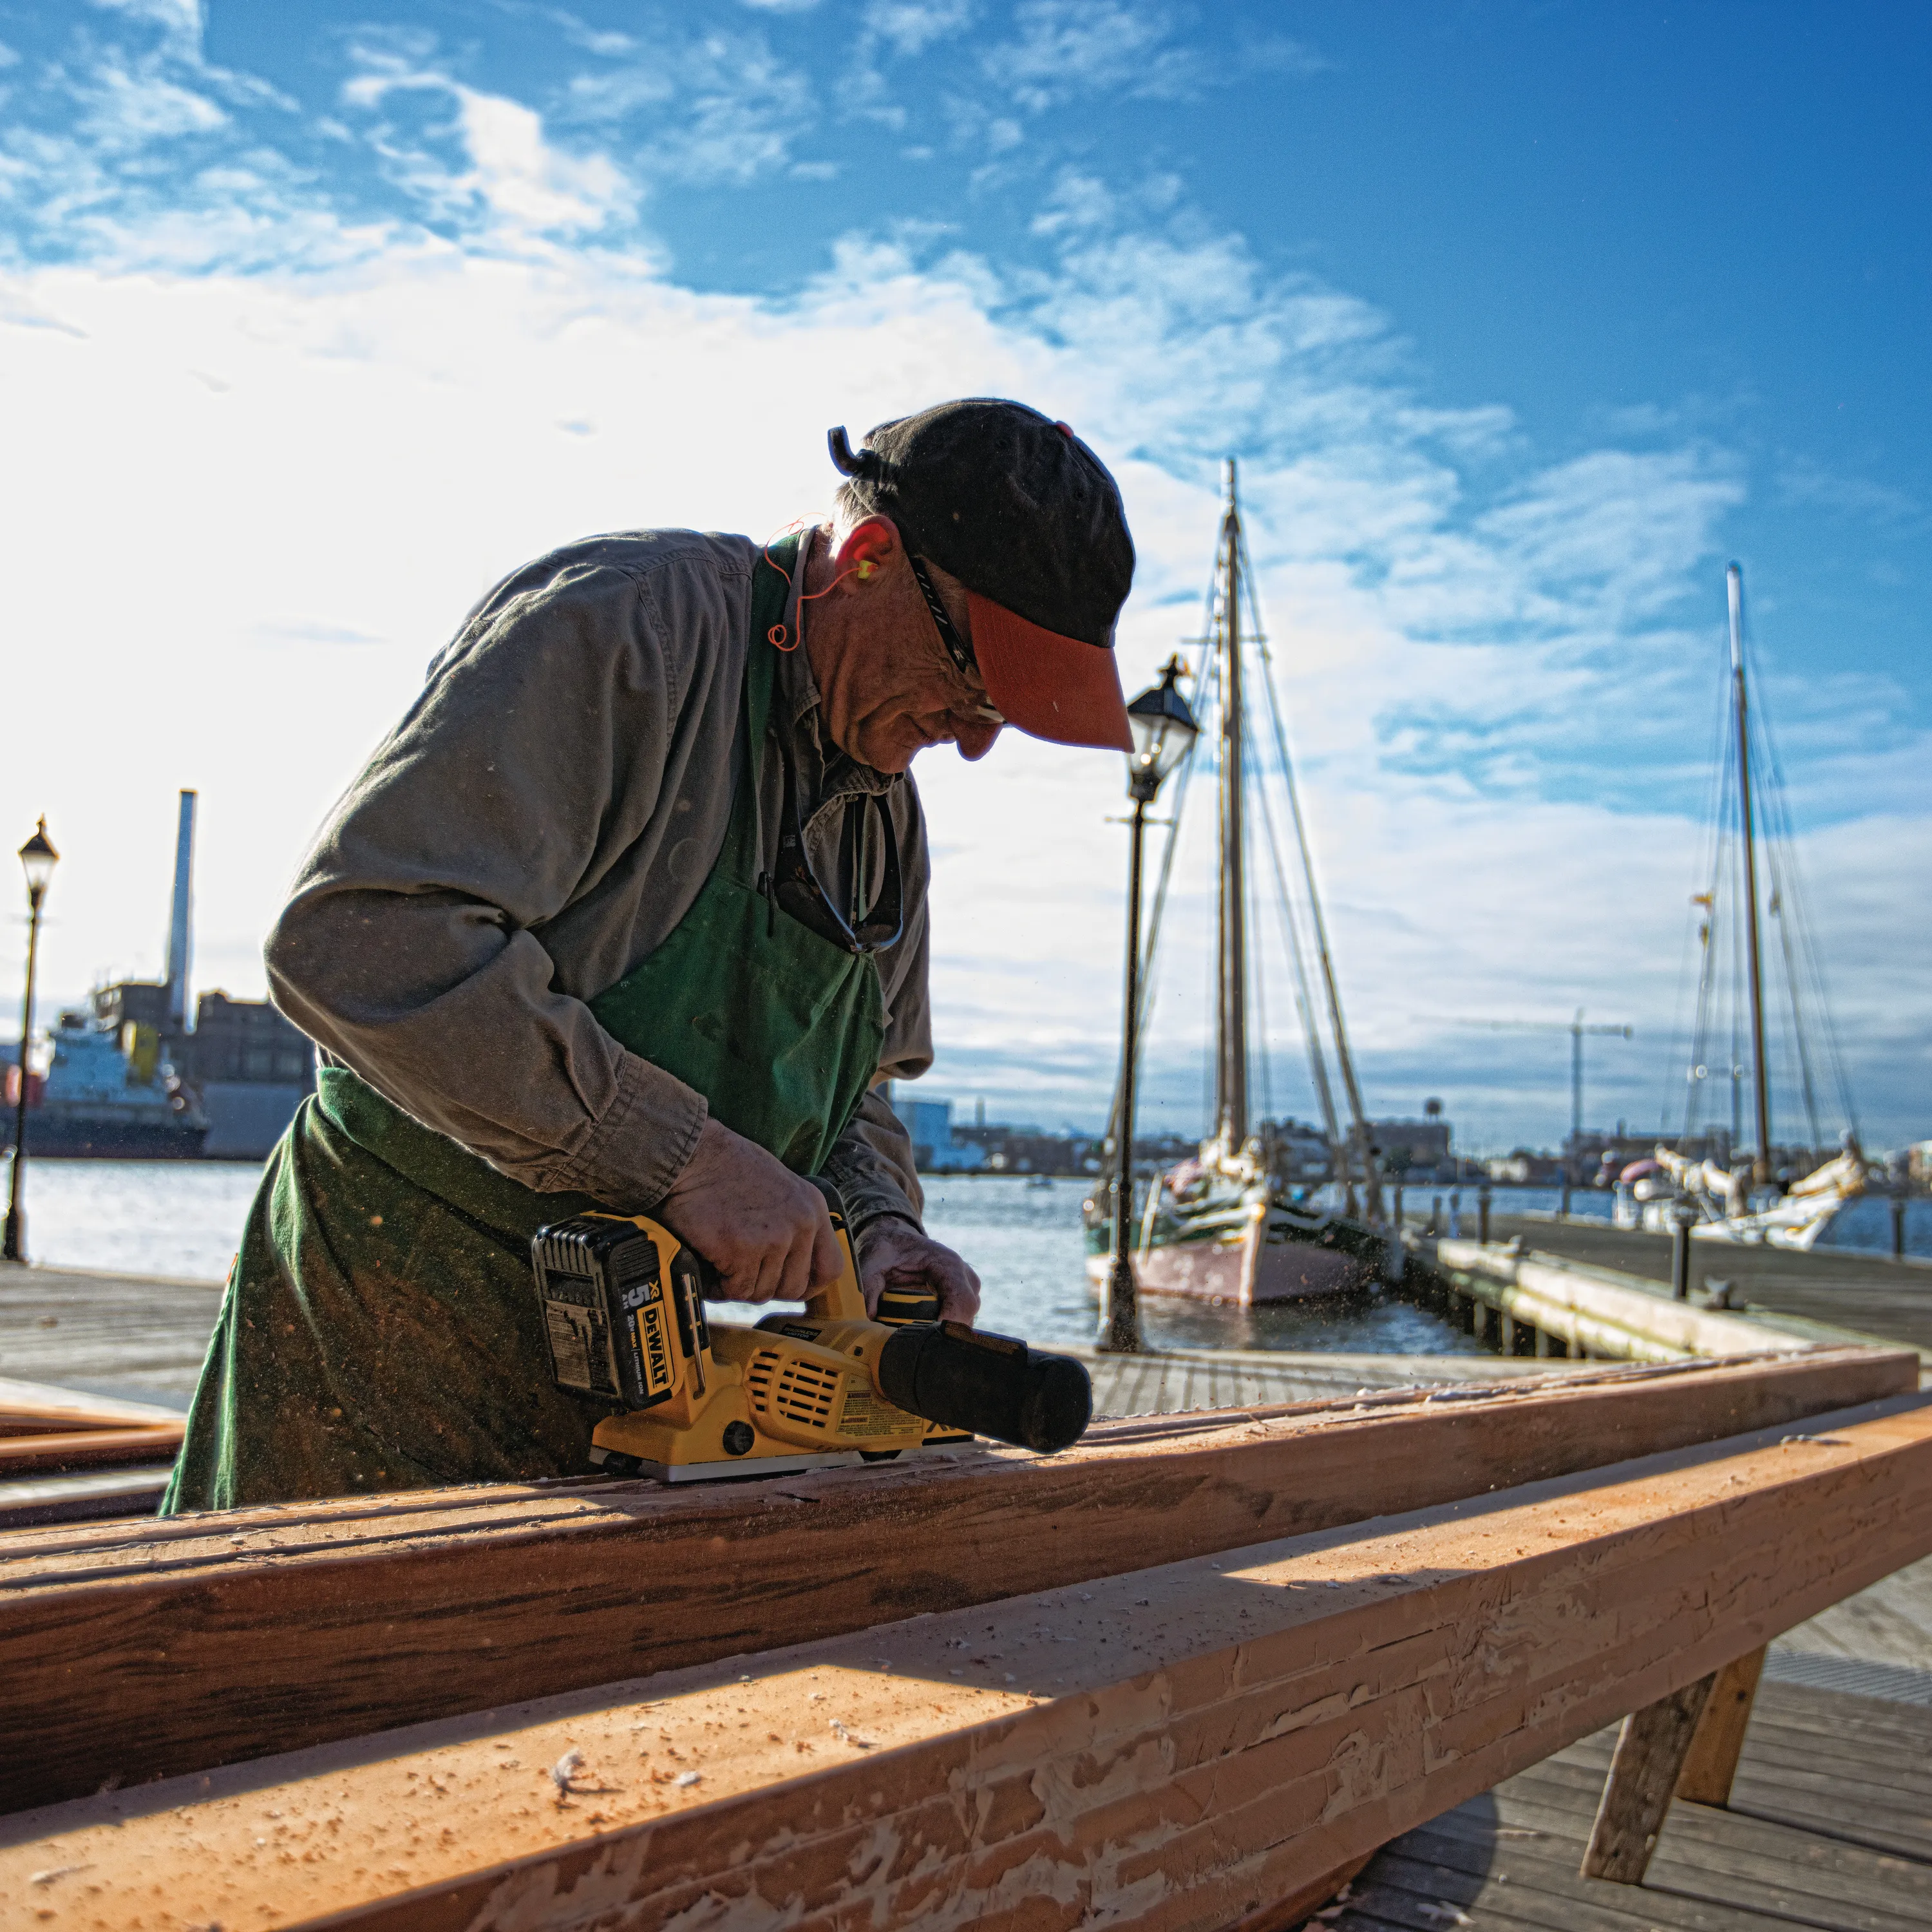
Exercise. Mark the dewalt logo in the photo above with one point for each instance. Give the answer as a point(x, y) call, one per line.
point(657, 1347)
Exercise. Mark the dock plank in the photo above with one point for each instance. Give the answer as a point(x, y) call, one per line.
point(1871, 1295)
point(1778, 1857)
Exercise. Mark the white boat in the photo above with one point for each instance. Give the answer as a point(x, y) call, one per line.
point(1721, 1198)
point(1776, 1195)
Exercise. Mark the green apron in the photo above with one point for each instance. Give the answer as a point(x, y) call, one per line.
point(380, 1329)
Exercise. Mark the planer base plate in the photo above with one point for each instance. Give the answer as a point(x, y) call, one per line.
point(738, 1468)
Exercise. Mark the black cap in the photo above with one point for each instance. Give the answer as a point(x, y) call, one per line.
point(1017, 508)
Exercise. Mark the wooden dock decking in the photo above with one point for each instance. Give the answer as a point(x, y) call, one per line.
point(1871, 1295)
point(1829, 1826)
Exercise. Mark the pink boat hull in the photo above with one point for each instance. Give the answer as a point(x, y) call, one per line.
point(1242, 1272)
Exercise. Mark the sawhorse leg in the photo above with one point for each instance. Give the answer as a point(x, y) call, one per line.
point(1685, 1745)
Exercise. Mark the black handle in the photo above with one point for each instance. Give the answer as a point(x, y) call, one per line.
point(992, 1384)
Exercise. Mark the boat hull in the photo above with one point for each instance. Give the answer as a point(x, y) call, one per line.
point(1253, 1267)
point(51, 1136)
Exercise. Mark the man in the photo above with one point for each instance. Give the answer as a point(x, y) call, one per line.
point(630, 911)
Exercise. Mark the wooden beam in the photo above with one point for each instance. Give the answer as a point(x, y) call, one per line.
point(23, 1455)
point(138, 1651)
point(40, 1408)
point(1185, 1746)
point(1712, 1763)
point(1644, 1770)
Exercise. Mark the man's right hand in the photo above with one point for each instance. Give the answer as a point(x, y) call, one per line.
point(765, 1231)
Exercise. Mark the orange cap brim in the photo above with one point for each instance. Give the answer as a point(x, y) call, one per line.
point(1047, 685)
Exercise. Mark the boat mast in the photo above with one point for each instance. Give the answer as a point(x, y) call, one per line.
point(1734, 583)
point(1231, 1078)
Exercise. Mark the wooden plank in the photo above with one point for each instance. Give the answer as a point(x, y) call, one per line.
point(1873, 1898)
point(1848, 1758)
point(89, 1448)
point(1566, 1299)
point(1811, 1863)
point(1711, 1762)
point(154, 1649)
point(1180, 1746)
point(1409, 1888)
point(1874, 1827)
point(1865, 1782)
point(33, 1408)
point(1650, 1754)
point(1695, 1882)
point(1289, 1912)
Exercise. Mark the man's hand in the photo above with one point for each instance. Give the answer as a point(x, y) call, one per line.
point(892, 1253)
point(765, 1230)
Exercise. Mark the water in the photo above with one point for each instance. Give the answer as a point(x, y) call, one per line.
point(184, 1218)
point(165, 1217)
point(1025, 1241)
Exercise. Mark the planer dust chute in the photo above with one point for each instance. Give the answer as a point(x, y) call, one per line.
point(623, 1311)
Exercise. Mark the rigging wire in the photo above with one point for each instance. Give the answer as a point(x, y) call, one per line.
point(1252, 761)
point(1696, 956)
point(1323, 952)
point(1804, 965)
point(1716, 934)
point(1805, 1034)
point(1304, 1004)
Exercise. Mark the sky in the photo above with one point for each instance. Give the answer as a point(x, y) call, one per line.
point(1522, 319)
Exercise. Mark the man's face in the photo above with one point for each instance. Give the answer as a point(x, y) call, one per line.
point(889, 688)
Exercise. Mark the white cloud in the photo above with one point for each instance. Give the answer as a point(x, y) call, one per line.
point(315, 473)
point(510, 180)
point(909, 27)
point(715, 106)
point(1801, 480)
point(1063, 47)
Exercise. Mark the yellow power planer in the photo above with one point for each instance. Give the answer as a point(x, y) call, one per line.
point(623, 1307)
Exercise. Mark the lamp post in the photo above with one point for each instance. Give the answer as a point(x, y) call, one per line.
point(37, 860)
point(1163, 728)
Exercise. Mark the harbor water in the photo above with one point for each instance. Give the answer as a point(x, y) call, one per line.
point(183, 1218)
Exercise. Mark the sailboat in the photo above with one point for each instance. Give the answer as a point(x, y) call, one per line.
point(1236, 1225)
point(1764, 1198)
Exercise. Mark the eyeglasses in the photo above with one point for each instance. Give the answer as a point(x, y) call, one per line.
point(794, 885)
point(957, 648)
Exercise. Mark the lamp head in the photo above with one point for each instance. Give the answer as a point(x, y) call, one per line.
point(37, 860)
point(1163, 728)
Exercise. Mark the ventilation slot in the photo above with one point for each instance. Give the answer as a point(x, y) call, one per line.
point(800, 1392)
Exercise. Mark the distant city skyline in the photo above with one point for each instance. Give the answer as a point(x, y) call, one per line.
point(1521, 318)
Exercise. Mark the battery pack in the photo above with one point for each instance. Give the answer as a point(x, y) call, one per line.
point(623, 1308)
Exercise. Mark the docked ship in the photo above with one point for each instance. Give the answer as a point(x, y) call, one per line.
point(100, 1099)
point(129, 1077)
point(1783, 1197)
point(1239, 1224)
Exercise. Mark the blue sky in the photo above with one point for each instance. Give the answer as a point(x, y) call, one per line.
point(1522, 318)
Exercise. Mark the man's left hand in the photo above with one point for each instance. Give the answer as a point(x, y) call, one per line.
point(892, 1253)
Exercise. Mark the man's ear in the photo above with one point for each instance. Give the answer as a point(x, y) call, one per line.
point(868, 547)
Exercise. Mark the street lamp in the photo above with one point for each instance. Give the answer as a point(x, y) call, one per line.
point(1163, 728)
point(37, 860)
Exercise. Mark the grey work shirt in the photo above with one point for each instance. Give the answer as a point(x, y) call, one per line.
point(538, 824)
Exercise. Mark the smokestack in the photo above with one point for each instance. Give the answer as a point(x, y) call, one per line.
point(177, 925)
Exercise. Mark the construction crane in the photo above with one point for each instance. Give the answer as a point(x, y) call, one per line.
point(1575, 1029)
